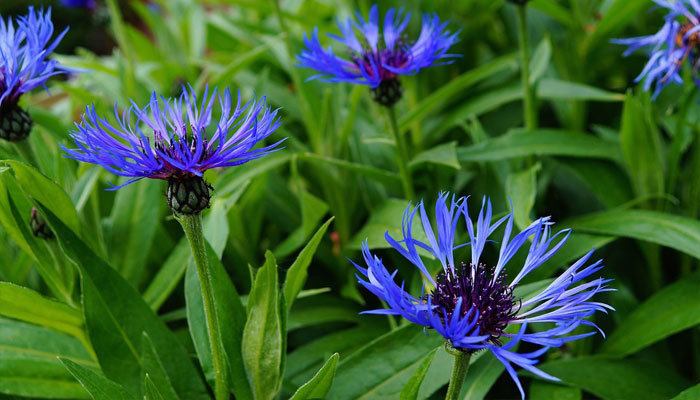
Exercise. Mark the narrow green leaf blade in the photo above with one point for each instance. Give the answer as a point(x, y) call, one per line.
point(692, 393)
point(618, 379)
point(99, 387)
point(262, 336)
point(641, 147)
point(27, 305)
point(521, 188)
point(521, 143)
point(676, 232)
point(297, 273)
point(153, 370)
point(318, 386)
point(366, 371)
point(150, 390)
point(670, 310)
point(116, 316)
point(29, 363)
point(411, 388)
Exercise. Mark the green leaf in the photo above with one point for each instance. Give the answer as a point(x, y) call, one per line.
point(37, 186)
point(617, 16)
point(29, 363)
point(312, 211)
point(521, 188)
point(437, 99)
point(318, 386)
point(297, 273)
point(14, 209)
point(540, 60)
point(520, 143)
point(116, 316)
point(692, 393)
point(99, 387)
point(551, 391)
point(386, 361)
point(305, 360)
point(670, 310)
point(641, 147)
point(410, 389)
point(444, 154)
point(263, 336)
point(576, 246)
point(554, 10)
point(322, 309)
point(617, 379)
point(153, 370)
point(27, 305)
point(385, 218)
point(482, 375)
point(232, 317)
point(131, 227)
point(390, 179)
point(150, 389)
point(550, 88)
point(676, 232)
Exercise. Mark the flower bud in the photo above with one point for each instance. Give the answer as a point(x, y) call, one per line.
point(38, 225)
point(15, 123)
point(188, 194)
point(388, 92)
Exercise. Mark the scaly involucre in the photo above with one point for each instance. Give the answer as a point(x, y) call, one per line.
point(472, 305)
point(175, 137)
point(372, 60)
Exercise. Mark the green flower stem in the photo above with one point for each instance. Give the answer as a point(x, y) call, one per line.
point(530, 112)
point(459, 372)
point(24, 149)
point(192, 225)
point(401, 156)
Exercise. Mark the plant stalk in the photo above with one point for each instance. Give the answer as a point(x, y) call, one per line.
point(192, 225)
point(401, 155)
point(529, 110)
point(459, 372)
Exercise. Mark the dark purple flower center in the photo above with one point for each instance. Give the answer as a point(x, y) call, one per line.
point(175, 150)
point(492, 298)
point(370, 60)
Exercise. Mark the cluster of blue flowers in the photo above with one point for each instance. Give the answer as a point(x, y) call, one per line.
point(472, 303)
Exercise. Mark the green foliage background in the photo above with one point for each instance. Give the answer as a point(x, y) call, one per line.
point(111, 306)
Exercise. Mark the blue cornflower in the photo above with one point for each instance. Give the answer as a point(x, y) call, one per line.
point(375, 62)
point(24, 45)
point(472, 305)
point(168, 139)
point(678, 40)
point(90, 4)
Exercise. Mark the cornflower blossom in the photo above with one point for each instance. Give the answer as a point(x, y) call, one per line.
point(471, 304)
point(176, 140)
point(89, 4)
point(377, 58)
point(25, 43)
point(675, 43)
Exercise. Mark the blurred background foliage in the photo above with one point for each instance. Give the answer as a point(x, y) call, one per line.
point(621, 170)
